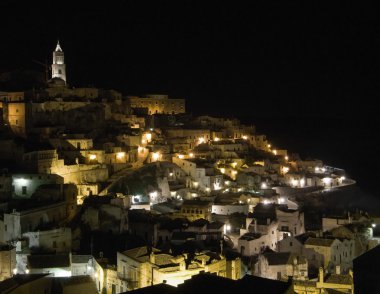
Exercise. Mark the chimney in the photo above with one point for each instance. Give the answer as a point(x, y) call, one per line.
point(321, 275)
point(349, 218)
point(203, 262)
point(351, 273)
point(337, 269)
point(152, 258)
point(182, 265)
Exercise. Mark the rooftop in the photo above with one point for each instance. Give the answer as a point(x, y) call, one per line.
point(319, 242)
point(250, 236)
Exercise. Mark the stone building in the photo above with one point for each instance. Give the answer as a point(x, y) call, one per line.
point(157, 104)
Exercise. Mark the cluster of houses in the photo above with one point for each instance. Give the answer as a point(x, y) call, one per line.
point(104, 193)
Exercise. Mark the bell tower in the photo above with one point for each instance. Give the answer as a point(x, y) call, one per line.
point(58, 68)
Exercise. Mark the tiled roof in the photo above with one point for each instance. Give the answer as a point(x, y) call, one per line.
point(250, 236)
point(140, 253)
point(319, 242)
point(339, 279)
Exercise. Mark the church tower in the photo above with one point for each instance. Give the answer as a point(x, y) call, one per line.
point(58, 68)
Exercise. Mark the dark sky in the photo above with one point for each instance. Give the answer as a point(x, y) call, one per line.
point(271, 58)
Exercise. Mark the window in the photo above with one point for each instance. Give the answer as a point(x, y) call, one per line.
point(54, 244)
point(23, 190)
point(5, 227)
point(291, 244)
point(60, 71)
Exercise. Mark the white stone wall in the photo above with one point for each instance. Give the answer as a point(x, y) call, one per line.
point(229, 209)
point(58, 240)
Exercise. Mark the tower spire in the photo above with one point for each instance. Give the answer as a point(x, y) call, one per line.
point(58, 48)
point(58, 67)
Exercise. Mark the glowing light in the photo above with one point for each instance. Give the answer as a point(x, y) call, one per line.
point(323, 169)
point(208, 189)
point(275, 152)
point(120, 155)
point(155, 156)
point(302, 182)
point(153, 194)
point(269, 145)
point(286, 158)
point(196, 184)
point(294, 182)
point(22, 181)
point(140, 149)
point(245, 137)
point(96, 275)
point(143, 141)
point(181, 156)
point(170, 174)
point(373, 225)
point(27, 271)
point(285, 169)
point(317, 169)
point(14, 271)
point(201, 140)
point(234, 172)
point(342, 178)
point(326, 181)
point(191, 155)
point(222, 170)
point(266, 201)
point(234, 164)
point(148, 136)
point(217, 186)
point(264, 186)
point(281, 200)
point(240, 189)
point(92, 156)
point(227, 182)
point(228, 228)
point(216, 139)
point(194, 195)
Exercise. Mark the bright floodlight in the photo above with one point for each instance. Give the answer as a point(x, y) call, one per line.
point(120, 155)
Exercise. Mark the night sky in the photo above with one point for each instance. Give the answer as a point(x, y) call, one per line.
point(279, 58)
point(270, 60)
